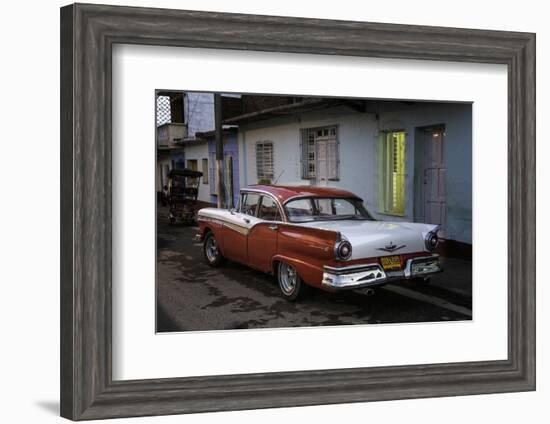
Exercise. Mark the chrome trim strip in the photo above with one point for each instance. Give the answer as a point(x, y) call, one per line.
point(350, 268)
point(358, 277)
point(238, 228)
point(372, 274)
point(409, 262)
point(299, 196)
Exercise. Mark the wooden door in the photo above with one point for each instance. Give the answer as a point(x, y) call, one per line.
point(435, 173)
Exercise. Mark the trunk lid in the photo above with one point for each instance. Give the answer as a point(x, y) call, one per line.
point(379, 238)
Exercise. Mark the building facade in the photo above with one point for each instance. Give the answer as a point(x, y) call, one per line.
point(186, 139)
point(409, 161)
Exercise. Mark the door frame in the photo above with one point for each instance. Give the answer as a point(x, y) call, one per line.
point(419, 197)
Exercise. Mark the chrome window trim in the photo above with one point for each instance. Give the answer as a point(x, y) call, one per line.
point(314, 196)
point(299, 196)
point(265, 192)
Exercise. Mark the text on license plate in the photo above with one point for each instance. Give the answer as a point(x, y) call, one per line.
point(391, 262)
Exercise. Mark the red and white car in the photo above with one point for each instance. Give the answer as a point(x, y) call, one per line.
point(316, 236)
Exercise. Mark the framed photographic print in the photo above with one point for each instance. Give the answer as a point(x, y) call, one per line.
point(263, 211)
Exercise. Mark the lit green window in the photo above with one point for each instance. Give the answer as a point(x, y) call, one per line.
point(392, 181)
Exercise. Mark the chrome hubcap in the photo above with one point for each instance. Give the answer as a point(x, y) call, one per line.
point(287, 278)
point(211, 249)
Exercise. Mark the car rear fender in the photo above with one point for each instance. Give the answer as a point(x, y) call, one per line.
point(306, 249)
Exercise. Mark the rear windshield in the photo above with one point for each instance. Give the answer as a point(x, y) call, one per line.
point(325, 208)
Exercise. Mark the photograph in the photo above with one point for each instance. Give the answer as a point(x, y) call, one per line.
point(278, 211)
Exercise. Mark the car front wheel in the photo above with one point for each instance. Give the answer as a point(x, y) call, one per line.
point(211, 251)
point(291, 285)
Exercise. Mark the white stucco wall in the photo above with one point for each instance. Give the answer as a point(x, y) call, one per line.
point(198, 152)
point(163, 160)
point(358, 134)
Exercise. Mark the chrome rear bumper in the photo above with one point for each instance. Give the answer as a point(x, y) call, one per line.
point(372, 274)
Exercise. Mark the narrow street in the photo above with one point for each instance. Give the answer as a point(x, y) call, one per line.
point(192, 296)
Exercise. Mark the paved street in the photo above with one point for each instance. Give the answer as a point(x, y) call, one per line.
point(193, 296)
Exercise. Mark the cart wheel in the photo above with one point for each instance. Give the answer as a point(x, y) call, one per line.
point(211, 251)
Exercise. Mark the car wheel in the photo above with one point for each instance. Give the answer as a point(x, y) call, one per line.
point(290, 283)
point(211, 251)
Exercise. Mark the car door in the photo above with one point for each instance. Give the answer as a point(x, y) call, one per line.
point(262, 238)
point(237, 226)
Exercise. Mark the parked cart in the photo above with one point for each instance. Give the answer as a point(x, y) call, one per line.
point(183, 190)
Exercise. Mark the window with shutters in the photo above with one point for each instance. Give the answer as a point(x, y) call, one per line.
point(192, 164)
point(264, 161)
point(320, 154)
point(392, 166)
point(205, 170)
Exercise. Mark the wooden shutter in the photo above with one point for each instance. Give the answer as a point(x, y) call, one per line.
point(333, 159)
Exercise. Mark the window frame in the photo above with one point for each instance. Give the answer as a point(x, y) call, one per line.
point(242, 202)
point(264, 176)
point(189, 162)
point(205, 171)
point(351, 199)
point(385, 175)
point(305, 151)
point(262, 194)
point(278, 215)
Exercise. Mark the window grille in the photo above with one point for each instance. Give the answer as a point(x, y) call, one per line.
point(320, 153)
point(164, 115)
point(264, 161)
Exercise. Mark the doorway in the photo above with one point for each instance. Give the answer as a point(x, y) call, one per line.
point(431, 176)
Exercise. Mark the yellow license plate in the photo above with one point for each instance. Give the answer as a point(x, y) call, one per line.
point(391, 262)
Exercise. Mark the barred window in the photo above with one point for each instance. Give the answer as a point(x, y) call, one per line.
point(264, 161)
point(320, 154)
point(164, 113)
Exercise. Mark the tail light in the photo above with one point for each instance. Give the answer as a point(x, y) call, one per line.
point(431, 240)
point(342, 250)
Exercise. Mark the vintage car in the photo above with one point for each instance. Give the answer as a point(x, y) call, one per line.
point(316, 236)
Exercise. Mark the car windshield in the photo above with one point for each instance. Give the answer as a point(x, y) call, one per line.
point(325, 208)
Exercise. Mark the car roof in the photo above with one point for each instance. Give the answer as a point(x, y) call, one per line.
point(285, 192)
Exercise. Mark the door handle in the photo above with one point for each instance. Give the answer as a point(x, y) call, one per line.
point(273, 227)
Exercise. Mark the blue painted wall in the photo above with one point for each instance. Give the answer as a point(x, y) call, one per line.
point(178, 158)
point(231, 147)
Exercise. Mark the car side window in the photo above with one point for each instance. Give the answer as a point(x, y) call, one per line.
point(250, 204)
point(268, 209)
point(299, 210)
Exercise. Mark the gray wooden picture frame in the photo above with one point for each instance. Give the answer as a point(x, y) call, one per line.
point(88, 33)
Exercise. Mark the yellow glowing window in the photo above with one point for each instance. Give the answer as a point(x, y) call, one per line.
point(392, 181)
